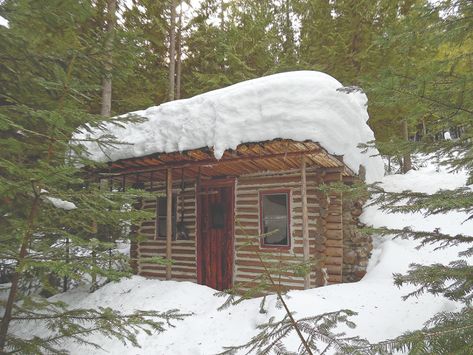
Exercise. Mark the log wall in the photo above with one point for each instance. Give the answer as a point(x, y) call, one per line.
point(183, 251)
point(247, 229)
point(325, 232)
point(333, 231)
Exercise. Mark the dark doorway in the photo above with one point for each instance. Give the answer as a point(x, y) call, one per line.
point(215, 216)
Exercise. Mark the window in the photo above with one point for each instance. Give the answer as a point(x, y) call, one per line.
point(217, 214)
point(161, 213)
point(274, 214)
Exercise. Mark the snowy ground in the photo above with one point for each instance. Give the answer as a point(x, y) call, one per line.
point(382, 313)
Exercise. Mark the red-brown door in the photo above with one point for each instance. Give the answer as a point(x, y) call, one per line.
point(215, 216)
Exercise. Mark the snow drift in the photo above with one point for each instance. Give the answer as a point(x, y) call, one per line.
point(301, 105)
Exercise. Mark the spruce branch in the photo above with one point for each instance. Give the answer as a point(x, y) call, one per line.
point(407, 201)
point(442, 240)
point(454, 281)
point(79, 324)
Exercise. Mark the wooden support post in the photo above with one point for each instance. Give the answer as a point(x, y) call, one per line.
point(305, 221)
point(151, 181)
point(168, 221)
point(156, 220)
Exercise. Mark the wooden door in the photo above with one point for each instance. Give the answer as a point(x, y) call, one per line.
point(215, 216)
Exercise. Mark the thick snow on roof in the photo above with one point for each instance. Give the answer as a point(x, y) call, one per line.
point(295, 105)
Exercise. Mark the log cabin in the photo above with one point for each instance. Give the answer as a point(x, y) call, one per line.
point(237, 176)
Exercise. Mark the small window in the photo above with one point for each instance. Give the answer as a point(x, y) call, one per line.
point(217, 213)
point(161, 216)
point(274, 212)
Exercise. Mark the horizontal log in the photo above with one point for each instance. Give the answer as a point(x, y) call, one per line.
point(334, 226)
point(311, 210)
point(284, 276)
point(332, 218)
point(161, 252)
point(253, 248)
point(334, 234)
point(247, 285)
point(175, 269)
point(257, 263)
point(178, 259)
point(288, 282)
point(297, 233)
point(269, 256)
point(333, 269)
point(331, 177)
point(150, 237)
point(334, 251)
point(177, 244)
point(299, 251)
point(162, 276)
point(249, 201)
point(252, 216)
point(244, 231)
point(334, 243)
point(311, 202)
point(334, 279)
point(266, 180)
point(246, 209)
point(247, 224)
point(334, 260)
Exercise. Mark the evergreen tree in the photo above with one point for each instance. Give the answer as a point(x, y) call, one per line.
point(207, 66)
point(50, 209)
point(441, 90)
point(107, 80)
point(143, 66)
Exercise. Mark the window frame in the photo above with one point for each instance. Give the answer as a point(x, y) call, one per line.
point(157, 217)
point(263, 193)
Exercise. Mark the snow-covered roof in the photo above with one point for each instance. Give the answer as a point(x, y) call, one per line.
point(301, 105)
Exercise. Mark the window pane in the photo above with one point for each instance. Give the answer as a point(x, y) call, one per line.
point(275, 219)
point(162, 213)
point(278, 230)
point(162, 206)
point(162, 226)
point(275, 205)
point(217, 214)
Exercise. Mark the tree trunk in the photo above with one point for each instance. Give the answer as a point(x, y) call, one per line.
point(407, 164)
point(179, 55)
point(106, 108)
point(15, 282)
point(221, 46)
point(222, 15)
point(172, 50)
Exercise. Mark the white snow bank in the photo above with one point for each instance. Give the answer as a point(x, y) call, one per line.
point(295, 105)
point(382, 313)
point(429, 179)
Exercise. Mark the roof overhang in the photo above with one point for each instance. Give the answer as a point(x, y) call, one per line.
point(247, 158)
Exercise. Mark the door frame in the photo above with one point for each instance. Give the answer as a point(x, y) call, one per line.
point(219, 182)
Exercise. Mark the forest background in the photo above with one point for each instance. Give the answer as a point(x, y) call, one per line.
point(412, 57)
point(64, 63)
